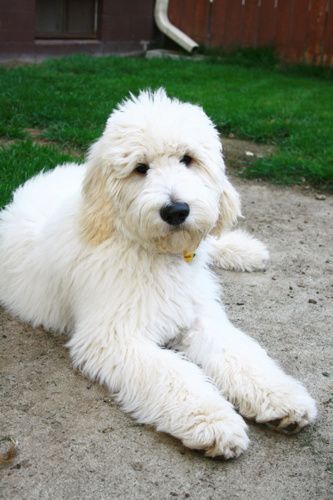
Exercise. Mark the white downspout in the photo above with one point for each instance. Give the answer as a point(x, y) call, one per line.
point(163, 23)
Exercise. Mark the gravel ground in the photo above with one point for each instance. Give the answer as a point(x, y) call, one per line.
point(75, 443)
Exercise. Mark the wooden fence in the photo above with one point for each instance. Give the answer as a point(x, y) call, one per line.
point(300, 30)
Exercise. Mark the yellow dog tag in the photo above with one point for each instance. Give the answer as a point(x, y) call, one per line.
point(188, 256)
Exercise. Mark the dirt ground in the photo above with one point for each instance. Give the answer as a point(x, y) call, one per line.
point(73, 441)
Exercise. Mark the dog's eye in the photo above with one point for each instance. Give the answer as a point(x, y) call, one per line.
point(141, 168)
point(186, 159)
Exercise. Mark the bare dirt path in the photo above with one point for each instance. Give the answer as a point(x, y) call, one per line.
point(75, 443)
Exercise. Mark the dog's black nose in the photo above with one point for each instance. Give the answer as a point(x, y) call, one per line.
point(175, 213)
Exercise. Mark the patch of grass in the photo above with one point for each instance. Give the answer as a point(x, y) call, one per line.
point(22, 160)
point(264, 56)
point(71, 98)
point(12, 132)
point(287, 169)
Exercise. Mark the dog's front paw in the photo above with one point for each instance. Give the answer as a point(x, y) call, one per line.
point(219, 435)
point(257, 256)
point(288, 410)
point(239, 251)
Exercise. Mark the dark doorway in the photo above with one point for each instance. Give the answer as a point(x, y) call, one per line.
point(66, 18)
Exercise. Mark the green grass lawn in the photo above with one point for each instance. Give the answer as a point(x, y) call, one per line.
point(70, 99)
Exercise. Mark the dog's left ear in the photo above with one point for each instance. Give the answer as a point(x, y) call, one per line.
point(230, 208)
point(96, 213)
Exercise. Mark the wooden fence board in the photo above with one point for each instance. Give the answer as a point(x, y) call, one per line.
point(283, 20)
point(250, 25)
point(328, 35)
point(298, 30)
point(267, 21)
point(219, 16)
point(232, 23)
point(200, 23)
point(316, 18)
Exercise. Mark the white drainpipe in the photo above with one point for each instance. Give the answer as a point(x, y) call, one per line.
point(163, 23)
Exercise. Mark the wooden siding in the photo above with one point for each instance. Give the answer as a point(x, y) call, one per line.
point(300, 30)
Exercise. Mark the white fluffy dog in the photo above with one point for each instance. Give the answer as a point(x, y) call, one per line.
point(116, 252)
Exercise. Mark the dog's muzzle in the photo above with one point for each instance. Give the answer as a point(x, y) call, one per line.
point(175, 213)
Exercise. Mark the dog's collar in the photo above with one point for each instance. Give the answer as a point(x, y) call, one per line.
point(188, 256)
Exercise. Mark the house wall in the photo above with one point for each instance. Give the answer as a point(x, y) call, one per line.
point(17, 25)
point(122, 26)
point(127, 20)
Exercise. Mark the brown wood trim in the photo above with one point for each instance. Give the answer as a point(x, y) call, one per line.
point(57, 36)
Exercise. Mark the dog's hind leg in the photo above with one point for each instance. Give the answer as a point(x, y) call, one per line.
point(159, 387)
point(238, 251)
point(246, 375)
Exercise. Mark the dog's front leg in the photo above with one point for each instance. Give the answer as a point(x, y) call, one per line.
point(238, 251)
point(159, 387)
point(245, 374)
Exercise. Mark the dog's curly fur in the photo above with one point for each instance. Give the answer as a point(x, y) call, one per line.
point(84, 250)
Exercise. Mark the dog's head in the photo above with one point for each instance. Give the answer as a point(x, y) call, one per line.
point(157, 176)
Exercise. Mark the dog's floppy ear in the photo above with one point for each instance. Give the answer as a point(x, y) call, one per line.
point(230, 208)
point(96, 214)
